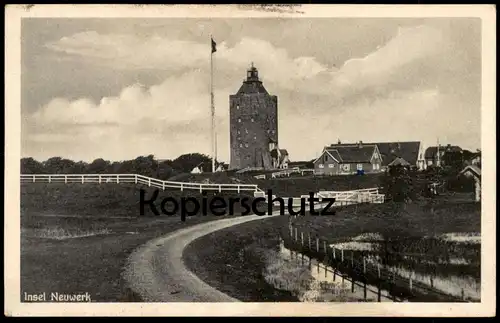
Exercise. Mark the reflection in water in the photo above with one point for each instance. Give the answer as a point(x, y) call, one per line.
point(462, 286)
point(287, 270)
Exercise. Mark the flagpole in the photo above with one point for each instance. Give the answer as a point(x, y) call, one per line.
point(214, 152)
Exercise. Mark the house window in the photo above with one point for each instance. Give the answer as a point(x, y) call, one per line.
point(321, 166)
point(239, 120)
point(241, 145)
point(251, 119)
point(237, 107)
point(359, 167)
point(246, 145)
point(331, 165)
point(346, 167)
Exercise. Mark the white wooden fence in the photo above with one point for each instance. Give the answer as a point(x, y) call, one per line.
point(136, 179)
point(370, 195)
point(367, 195)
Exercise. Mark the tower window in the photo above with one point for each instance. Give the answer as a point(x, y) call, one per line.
point(237, 107)
point(252, 119)
point(246, 145)
point(241, 145)
point(246, 130)
point(254, 137)
point(238, 132)
point(239, 120)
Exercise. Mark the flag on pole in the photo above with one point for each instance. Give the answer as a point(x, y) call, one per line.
point(214, 44)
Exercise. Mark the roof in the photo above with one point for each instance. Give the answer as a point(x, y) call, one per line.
point(250, 87)
point(473, 169)
point(352, 153)
point(431, 152)
point(399, 162)
point(252, 84)
point(408, 150)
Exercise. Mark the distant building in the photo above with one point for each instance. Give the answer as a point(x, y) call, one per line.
point(475, 159)
point(197, 170)
point(253, 118)
point(474, 172)
point(434, 154)
point(348, 159)
point(367, 157)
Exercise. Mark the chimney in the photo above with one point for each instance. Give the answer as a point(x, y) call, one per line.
point(338, 142)
point(360, 145)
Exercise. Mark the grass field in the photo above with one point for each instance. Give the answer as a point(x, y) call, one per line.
point(76, 238)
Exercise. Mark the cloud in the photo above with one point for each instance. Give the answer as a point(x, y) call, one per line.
point(406, 89)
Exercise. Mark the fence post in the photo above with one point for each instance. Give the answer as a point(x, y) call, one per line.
point(364, 264)
point(296, 237)
point(220, 188)
point(49, 179)
point(99, 179)
point(302, 239)
point(135, 178)
point(238, 188)
point(182, 186)
point(201, 188)
point(317, 244)
point(333, 251)
point(309, 236)
point(352, 259)
point(342, 255)
point(324, 247)
point(83, 179)
point(66, 179)
point(33, 178)
point(463, 295)
point(163, 185)
point(378, 269)
point(149, 181)
point(411, 282)
point(117, 179)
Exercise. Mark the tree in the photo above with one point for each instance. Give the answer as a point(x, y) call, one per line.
point(185, 163)
point(399, 184)
point(31, 166)
point(98, 166)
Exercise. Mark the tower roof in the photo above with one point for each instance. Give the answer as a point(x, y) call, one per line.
point(252, 83)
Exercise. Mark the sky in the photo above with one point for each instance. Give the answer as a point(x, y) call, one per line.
point(118, 88)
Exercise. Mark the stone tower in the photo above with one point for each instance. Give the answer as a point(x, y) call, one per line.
point(253, 115)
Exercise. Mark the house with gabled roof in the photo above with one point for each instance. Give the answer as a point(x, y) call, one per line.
point(348, 159)
point(434, 154)
point(369, 157)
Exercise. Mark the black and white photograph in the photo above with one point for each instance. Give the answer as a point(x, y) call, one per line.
point(285, 155)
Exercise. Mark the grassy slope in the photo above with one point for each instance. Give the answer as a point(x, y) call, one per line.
point(91, 264)
point(88, 264)
point(296, 186)
point(232, 260)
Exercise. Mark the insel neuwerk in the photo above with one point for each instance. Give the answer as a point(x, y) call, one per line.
point(218, 205)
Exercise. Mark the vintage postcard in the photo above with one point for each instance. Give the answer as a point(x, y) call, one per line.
point(258, 160)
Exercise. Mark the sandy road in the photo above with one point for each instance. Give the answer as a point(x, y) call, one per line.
point(157, 273)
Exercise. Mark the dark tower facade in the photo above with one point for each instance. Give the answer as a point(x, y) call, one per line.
point(253, 115)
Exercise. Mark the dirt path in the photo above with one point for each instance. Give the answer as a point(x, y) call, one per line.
point(157, 273)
